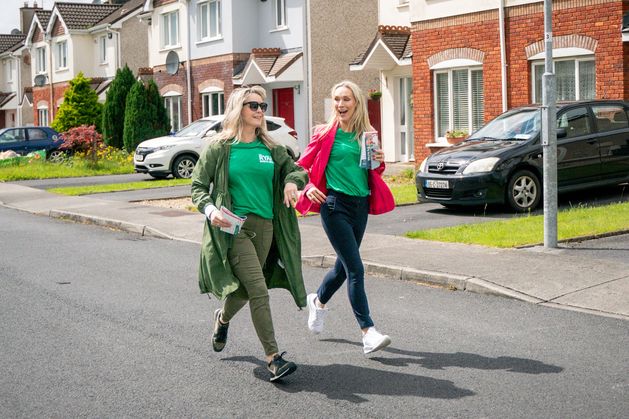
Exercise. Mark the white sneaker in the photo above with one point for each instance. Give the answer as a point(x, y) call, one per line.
point(316, 315)
point(374, 340)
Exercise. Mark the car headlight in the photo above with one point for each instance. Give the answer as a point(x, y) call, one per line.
point(481, 166)
point(422, 167)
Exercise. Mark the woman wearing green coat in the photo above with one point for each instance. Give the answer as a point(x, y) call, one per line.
point(245, 172)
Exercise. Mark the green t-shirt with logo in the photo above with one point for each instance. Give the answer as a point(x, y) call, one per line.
point(251, 171)
point(343, 173)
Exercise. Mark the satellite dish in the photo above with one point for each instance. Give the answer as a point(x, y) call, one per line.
point(172, 63)
point(40, 80)
point(16, 32)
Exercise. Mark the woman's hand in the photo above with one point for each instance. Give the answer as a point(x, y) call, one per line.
point(315, 195)
point(291, 193)
point(378, 155)
point(217, 220)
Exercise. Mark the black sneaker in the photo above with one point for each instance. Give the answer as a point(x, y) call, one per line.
point(279, 367)
point(219, 338)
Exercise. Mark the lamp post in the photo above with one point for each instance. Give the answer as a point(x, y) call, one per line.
point(549, 134)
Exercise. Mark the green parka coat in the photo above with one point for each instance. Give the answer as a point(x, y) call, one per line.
point(210, 185)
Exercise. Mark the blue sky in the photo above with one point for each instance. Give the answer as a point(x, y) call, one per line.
point(10, 12)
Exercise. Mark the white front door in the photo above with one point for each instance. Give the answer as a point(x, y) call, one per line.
point(405, 121)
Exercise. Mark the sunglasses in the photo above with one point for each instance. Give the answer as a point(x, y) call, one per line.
point(255, 105)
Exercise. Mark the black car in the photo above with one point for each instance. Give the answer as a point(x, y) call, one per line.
point(24, 140)
point(501, 163)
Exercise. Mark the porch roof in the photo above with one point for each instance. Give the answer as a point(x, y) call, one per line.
point(390, 47)
point(267, 65)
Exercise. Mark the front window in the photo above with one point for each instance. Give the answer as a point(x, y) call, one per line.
point(209, 19)
point(213, 103)
point(173, 108)
point(62, 55)
point(102, 49)
point(170, 29)
point(575, 79)
point(280, 13)
point(8, 70)
point(196, 129)
point(459, 100)
point(522, 124)
point(40, 60)
point(42, 117)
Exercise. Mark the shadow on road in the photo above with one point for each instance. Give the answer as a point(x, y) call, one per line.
point(439, 361)
point(350, 382)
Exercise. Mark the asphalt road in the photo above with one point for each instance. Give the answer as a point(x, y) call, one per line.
point(100, 323)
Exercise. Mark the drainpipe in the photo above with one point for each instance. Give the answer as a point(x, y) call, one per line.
point(188, 63)
point(18, 90)
point(48, 39)
point(503, 55)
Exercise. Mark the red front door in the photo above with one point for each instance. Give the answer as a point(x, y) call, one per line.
point(284, 105)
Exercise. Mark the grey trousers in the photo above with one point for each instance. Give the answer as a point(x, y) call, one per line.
point(246, 257)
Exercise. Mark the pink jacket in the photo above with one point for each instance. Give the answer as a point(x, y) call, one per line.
point(315, 159)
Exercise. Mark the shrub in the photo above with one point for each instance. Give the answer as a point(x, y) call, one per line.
point(80, 106)
point(81, 139)
point(115, 105)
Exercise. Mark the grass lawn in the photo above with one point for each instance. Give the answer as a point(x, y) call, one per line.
point(529, 229)
point(118, 187)
point(38, 169)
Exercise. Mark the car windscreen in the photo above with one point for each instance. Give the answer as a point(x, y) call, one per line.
point(519, 125)
point(196, 129)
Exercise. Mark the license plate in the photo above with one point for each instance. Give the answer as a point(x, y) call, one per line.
point(436, 184)
point(139, 157)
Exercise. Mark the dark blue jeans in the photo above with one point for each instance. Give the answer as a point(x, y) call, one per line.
point(344, 220)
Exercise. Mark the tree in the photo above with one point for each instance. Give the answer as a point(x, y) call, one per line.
point(138, 124)
point(115, 104)
point(80, 106)
point(161, 122)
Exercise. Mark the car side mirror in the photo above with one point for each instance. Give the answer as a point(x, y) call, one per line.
point(561, 132)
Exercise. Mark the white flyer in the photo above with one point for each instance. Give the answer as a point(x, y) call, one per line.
point(236, 221)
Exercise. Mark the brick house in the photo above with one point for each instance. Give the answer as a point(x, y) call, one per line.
point(80, 37)
point(467, 71)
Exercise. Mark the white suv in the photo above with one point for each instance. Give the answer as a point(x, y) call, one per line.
point(177, 154)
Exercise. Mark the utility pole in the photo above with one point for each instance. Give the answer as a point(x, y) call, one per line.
point(549, 134)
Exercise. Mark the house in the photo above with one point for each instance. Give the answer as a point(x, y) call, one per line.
point(389, 54)
point(202, 49)
point(80, 37)
point(16, 108)
point(474, 61)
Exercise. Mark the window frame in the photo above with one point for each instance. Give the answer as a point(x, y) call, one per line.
point(61, 55)
point(102, 49)
point(42, 112)
point(166, 32)
point(472, 125)
point(40, 60)
point(209, 103)
point(207, 25)
point(169, 102)
point(279, 14)
point(577, 73)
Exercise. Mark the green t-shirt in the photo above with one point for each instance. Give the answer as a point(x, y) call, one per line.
point(251, 171)
point(343, 173)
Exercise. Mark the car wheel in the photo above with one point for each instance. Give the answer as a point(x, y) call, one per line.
point(523, 191)
point(56, 156)
point(183, 166)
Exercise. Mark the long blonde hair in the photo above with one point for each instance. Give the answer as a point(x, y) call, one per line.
point(360, 119)
point(232, 122)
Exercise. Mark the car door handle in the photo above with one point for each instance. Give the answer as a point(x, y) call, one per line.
point(591, 142)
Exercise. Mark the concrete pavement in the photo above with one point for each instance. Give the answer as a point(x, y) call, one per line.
point(569, 277)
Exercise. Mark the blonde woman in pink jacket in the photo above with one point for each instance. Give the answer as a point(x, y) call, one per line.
point(345, 194)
